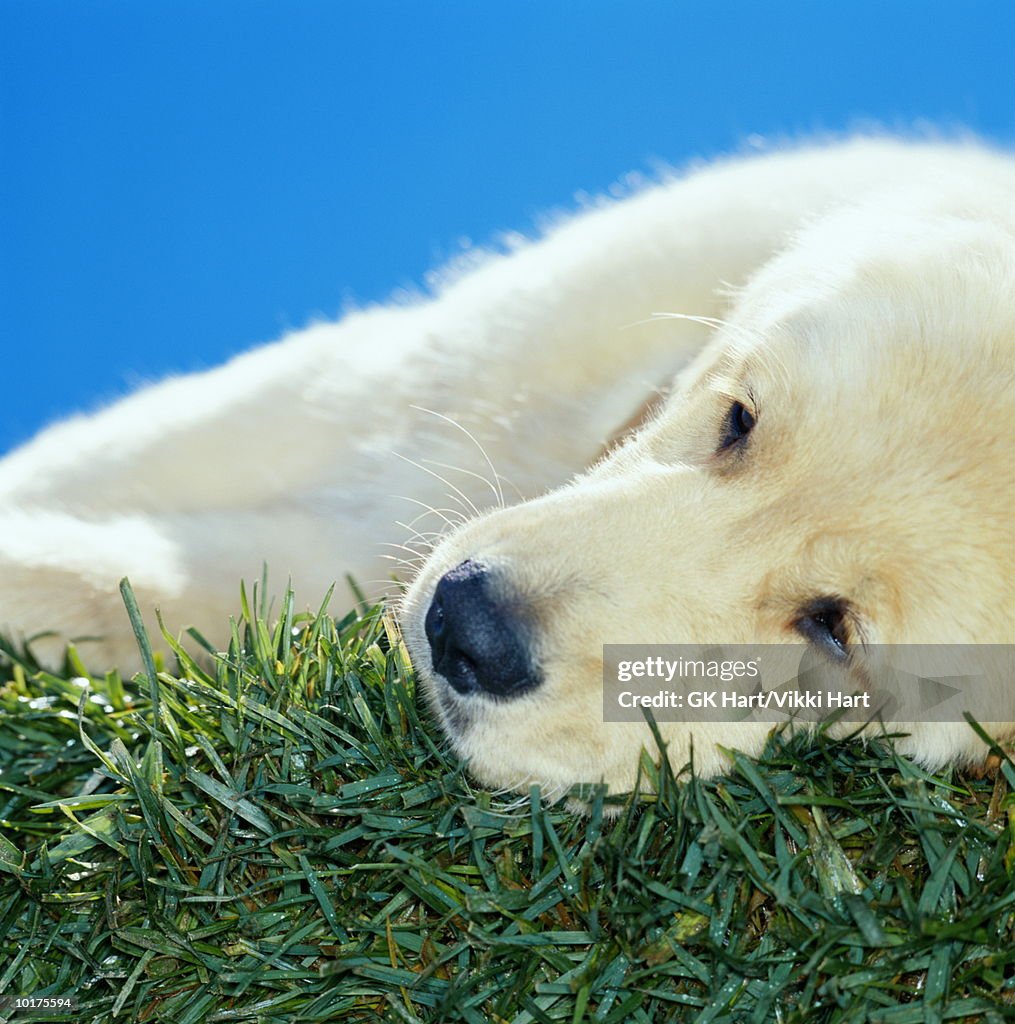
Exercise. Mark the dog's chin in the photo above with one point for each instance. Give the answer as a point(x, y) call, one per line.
point(550, 784)
point(513, 767)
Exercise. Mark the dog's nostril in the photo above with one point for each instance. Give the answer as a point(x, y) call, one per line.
point(435, 621)
point(477, 641)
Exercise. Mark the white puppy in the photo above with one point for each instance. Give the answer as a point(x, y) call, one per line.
point(834, 463)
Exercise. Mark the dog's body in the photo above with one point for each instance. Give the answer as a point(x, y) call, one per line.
point(867, 365)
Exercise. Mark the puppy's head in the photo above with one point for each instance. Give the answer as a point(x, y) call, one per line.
point(836, 469)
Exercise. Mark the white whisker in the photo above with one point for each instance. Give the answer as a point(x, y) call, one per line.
point(713, 322)
point(498, 492)
point(436, 511)
point(412, 542)
point(413, 562)
point(392, 588)
point(465, 501)
point(431, 508)
point(468, 472)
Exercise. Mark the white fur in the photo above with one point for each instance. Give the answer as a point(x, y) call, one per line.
point(307, 453)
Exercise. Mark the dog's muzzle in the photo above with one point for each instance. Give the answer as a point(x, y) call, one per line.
point(477, 637)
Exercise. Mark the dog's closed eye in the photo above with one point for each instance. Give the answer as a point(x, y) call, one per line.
point(739, 423)
point(825, 622)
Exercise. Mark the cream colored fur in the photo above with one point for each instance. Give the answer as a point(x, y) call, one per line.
point(866, 292)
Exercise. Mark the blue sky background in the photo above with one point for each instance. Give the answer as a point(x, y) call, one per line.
point(180, 180)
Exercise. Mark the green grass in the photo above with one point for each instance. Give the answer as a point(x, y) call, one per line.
point(283, 837)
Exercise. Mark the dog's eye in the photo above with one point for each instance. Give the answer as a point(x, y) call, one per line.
point(825, 623)
point(739, 423)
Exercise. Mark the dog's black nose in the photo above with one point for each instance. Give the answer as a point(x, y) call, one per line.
point(477, 643)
